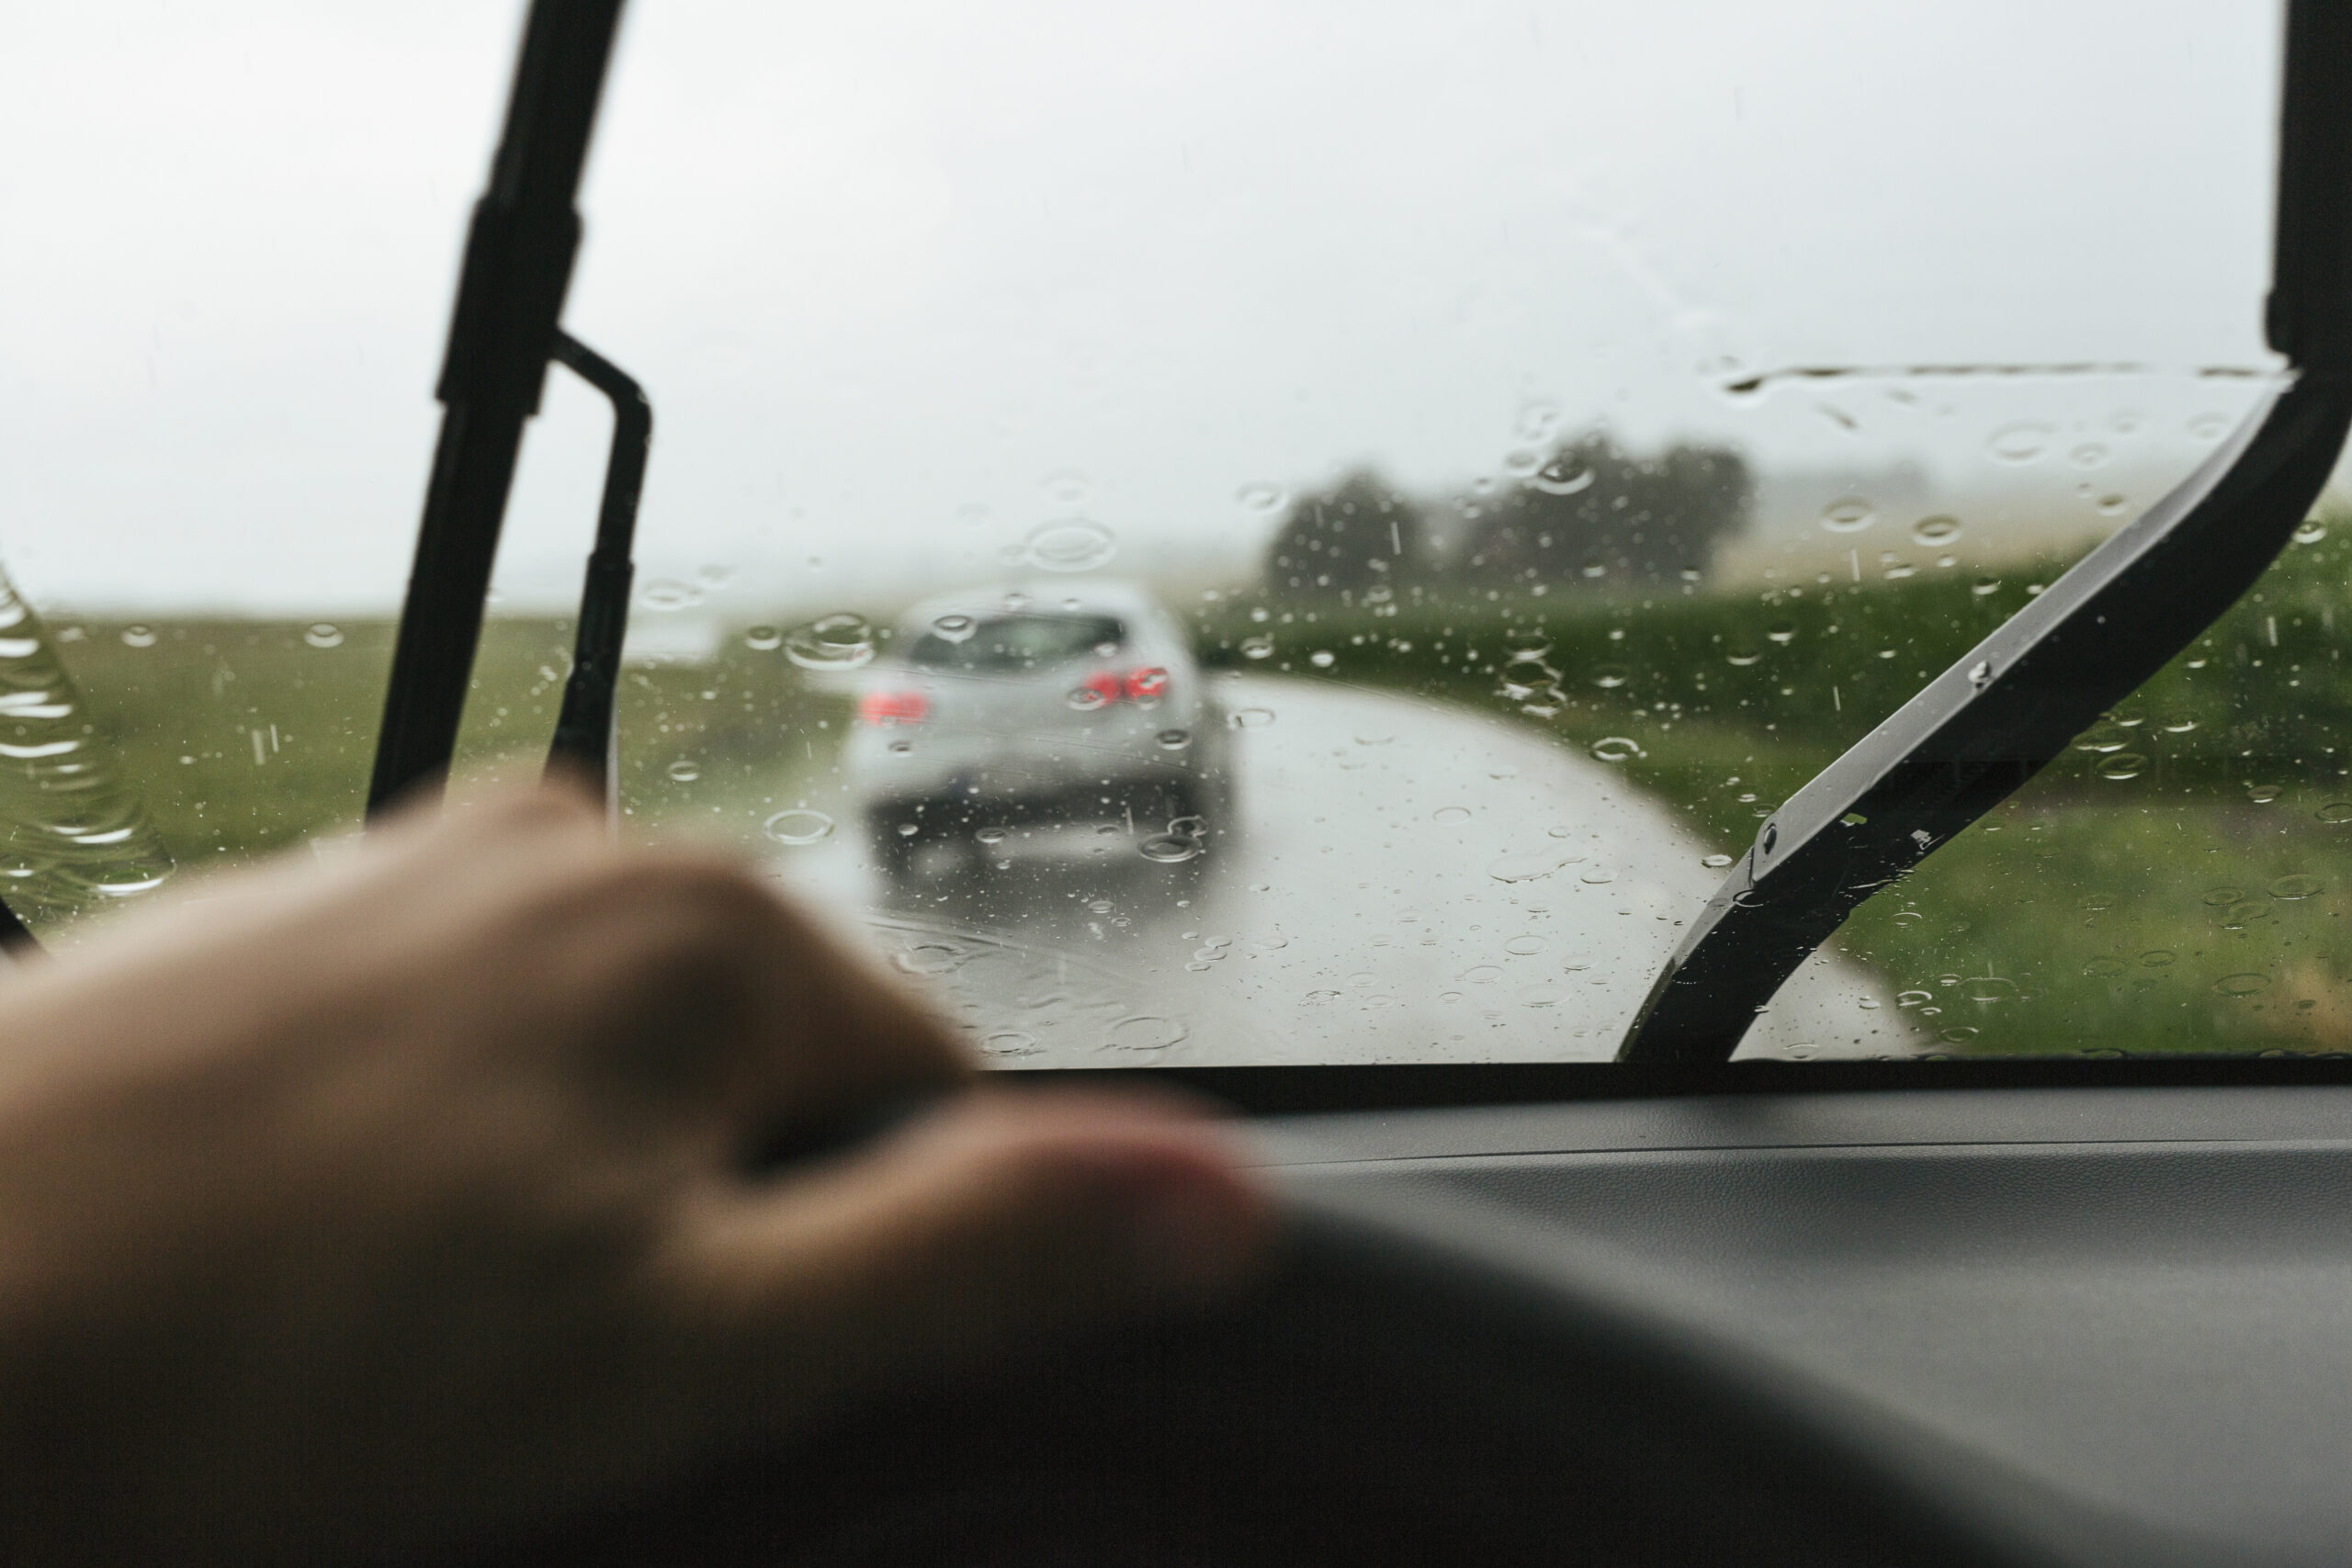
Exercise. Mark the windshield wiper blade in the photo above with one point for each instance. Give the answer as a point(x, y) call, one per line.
point(584, 733)
point(1983, 728)
point(511, 289)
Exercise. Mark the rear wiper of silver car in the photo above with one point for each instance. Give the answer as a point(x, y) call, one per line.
point(1984, 727)
point(502, 332)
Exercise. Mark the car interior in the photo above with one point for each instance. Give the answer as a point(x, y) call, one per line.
point(1741, 785)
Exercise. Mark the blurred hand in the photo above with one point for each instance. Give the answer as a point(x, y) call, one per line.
point(404, 1195)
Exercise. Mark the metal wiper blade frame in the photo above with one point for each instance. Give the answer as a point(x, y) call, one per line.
point(1985, 726)
point(511, 289)
point(584, 733)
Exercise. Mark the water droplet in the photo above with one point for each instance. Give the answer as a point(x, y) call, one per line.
point(2158, 957)
point(1565, 474)
point(1526, 867)
point(2262, 794)
point(683, 772)
point(1144, 1031)
point(2246, 912)
point(1988, 988)
point(1174, 739)
point(1715, 863)
point(1849, 514)
point(833, 642)
point(1320, 998)
point(1527, 642)
point(763, 639)
point(2112, 504)
point(2104, 968)
point(323, 635)
point(800, 827)
point(1066, 486)
point(1321, 659)
point(2179, 726)
point(1167, 848)
point(1741, 657)
point(1450, 814)
point(1985, 586)
point(1483, 974)
point(1375, 737)
point(2224, 895)
point(994, 835)
point(1086, 699)
point(668, 593)
point(1614, 748)
point(1251, 718)
point(2019, 442)
point(1257, 647)
point(2312, 532)
point(1600, 877)
point(1938, 530)
point(138, 636)
point(1009, 1043)
point(928, 958)
point(2095, 902)
point(955, 628)
point(1608, 677)
point(1782, 632)
point(1523, 945)
point(1913, 998)
point(2334, 812)
point(2122, 765)
point(2241, 985)
point(2209, 426)
point(1959, 1033)
point(2298, 886)
point(2089, 455)
point(1074, 544)
point(1260, 497)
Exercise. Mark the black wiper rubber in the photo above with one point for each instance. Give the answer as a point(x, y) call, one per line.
point(510, 295)
point(1985, 726)
point(584, 736)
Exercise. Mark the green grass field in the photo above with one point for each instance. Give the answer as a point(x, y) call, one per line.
point(2176, 883)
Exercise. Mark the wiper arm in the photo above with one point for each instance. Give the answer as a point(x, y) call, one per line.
point(1983, 728)
point(510, 296)
point(584, 736)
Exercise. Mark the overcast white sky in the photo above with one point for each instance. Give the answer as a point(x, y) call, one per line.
point(906, 279)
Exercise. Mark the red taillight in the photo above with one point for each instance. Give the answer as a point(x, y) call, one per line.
point(1146, 685)
point(893, 708)
point(1099, 689)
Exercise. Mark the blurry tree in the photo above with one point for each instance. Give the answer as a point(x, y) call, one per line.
point(1594, 511)
point(1360, 536)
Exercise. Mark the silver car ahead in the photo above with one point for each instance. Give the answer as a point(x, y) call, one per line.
point(1009, 707)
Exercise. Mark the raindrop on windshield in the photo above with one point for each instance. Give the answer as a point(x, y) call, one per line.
point(2262, 794)
point(1169, 849)
point(1450, 814)
point(2209, 426)
point(1849, 514)
point(2241, 985)
point(1521, 946)
point(683, 772)
point(1074, 544)
point(2298, 886)
point(1782, 632)
point(1321, 658)
point(1565, 474)
point(833, 642)
point(1935, 531)
point(323, 634)
point(2020, 442)
point(1257, 647)
point(1144, 1033)
point(1741, 657)
point(2335, 811)
point(763, 639)
point(955, 628)
point(668, 593)
point(2311, 533)
point(1251, 718)
point(2089, 455)
point(138, 636)
point(801, 827)
point(1608, 677)
point(1715, 863)
point(1525, 867)
point(1614, 748)
point(1260, 497)
point(2122, 765)
point(1175, 740)
point(1010, 1043)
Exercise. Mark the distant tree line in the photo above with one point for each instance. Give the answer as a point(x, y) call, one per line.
point(1588, 515)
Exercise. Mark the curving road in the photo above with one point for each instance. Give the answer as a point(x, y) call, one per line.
point(1390, 881)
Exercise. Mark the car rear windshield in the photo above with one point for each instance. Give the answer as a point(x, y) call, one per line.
point(997, 644)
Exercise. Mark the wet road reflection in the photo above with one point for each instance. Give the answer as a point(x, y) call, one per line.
point(1383, 881)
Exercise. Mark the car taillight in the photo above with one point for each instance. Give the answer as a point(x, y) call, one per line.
point(1142, 687)
point(1146, 685)
point(893, 708)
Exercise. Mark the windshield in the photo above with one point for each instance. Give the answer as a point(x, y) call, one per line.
point(1271, 534)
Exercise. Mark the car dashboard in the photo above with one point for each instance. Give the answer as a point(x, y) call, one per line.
point(2104, 1326)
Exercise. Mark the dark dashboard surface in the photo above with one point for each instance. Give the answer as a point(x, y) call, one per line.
point(2116, 1324)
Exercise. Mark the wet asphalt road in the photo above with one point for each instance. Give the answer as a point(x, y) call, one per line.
point(1388, 881)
